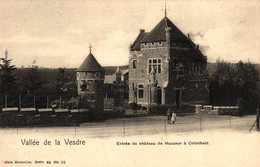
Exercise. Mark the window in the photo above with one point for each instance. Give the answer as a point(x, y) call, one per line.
point(134, 64)
point(92, 96)
point(140, 91)
point(83, 87)
point(156, 64)
point(97, 74)
point(196, 67)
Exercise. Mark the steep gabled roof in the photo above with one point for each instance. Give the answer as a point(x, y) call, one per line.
point(190, 53)
point(90, 64)
point(159, 34)
point(136, 44)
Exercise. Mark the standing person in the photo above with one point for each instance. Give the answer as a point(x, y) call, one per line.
point(168, 114)
point(173, 119)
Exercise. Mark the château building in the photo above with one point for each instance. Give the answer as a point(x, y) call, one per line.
point(166, 68)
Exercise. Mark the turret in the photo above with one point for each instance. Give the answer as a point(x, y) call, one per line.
point(90, 83)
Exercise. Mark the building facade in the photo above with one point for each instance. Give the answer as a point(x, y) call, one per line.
point(167, 68)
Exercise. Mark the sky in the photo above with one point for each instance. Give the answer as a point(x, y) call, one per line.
point(57, 33)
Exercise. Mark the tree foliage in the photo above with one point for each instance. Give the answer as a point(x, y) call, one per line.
point(235, 83)
point(8, 77)
point(247, 80)
point(8, 81)
point(66, 88)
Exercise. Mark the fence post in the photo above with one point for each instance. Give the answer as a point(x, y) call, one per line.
point(47, 102)
point(257, 120)
point(230, 121)
point(200, 123)
point(34, 101)
point(60, 101)
point(20, 102)
point(124, 127)
point(165, 127)
point(5, 100)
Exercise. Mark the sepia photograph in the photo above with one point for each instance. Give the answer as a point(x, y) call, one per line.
point(91, 83)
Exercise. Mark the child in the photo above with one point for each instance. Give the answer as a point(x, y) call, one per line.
point(168, 114)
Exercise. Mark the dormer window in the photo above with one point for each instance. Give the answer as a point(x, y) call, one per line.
point(152, 43)
point(160, 43)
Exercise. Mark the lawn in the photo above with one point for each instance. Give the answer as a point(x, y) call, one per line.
point(144, 125)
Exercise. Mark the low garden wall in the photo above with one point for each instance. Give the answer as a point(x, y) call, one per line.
point(12, 117)
point(217, 110)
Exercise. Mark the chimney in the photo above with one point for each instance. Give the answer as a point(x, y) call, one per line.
point(168, 41)
point(142, 30)
point(198, 46)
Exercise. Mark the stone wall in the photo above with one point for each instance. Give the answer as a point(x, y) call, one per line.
point(58, 117)
point(217, 110)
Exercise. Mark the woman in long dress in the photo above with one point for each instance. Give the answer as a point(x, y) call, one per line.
point(173, 119)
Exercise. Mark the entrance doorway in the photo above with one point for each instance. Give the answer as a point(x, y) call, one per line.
point(178, 98)
point(159, 96)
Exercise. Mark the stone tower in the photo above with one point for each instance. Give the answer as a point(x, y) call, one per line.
point(90, 83)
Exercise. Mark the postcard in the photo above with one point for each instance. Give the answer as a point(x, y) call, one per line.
point(129, 83)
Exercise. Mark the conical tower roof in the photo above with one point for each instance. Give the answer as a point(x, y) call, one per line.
point(90, 64)
point(159, 34)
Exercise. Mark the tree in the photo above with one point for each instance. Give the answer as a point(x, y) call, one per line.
point(31, 86)
point(33, 81)
point(233, 83)
point(61, 79)
point(247, 79)
point(65, 88)
point(7, 77)
point(222, 89)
